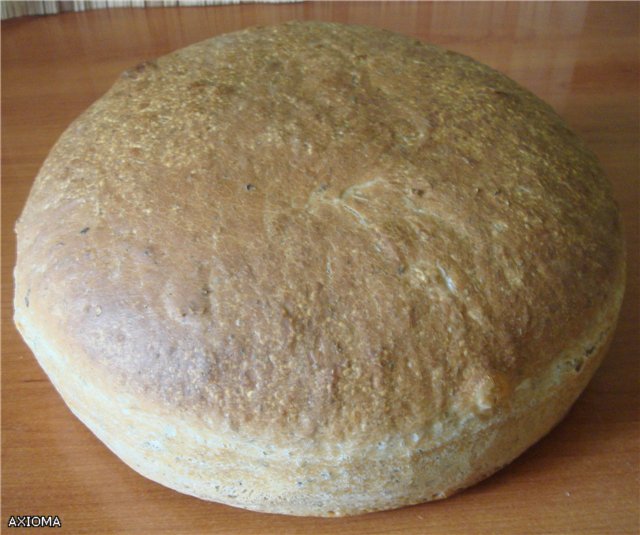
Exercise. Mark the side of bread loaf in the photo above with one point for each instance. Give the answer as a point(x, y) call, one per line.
point(193, 457)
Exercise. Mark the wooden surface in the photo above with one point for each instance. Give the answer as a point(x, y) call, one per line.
point(582, 58)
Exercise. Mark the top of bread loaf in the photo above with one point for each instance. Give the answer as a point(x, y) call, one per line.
point(317, 231)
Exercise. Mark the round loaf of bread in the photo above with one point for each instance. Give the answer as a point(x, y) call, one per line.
point(318, 269)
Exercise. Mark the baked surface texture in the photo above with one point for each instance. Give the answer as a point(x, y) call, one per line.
point(318, 269)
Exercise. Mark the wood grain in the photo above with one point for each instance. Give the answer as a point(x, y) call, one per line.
point(580, 57)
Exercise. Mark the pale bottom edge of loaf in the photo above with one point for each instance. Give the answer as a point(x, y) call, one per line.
point(180, 454)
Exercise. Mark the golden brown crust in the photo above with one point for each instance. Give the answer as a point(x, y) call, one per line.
point(316, 232)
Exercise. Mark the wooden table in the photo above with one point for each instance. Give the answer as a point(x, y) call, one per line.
point(582, 58)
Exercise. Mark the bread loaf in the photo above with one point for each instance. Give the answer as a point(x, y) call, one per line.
point(318, 269)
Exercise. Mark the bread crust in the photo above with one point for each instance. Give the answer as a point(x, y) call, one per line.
point(309, 246)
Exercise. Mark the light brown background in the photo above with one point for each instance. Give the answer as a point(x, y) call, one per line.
point(582, 58)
